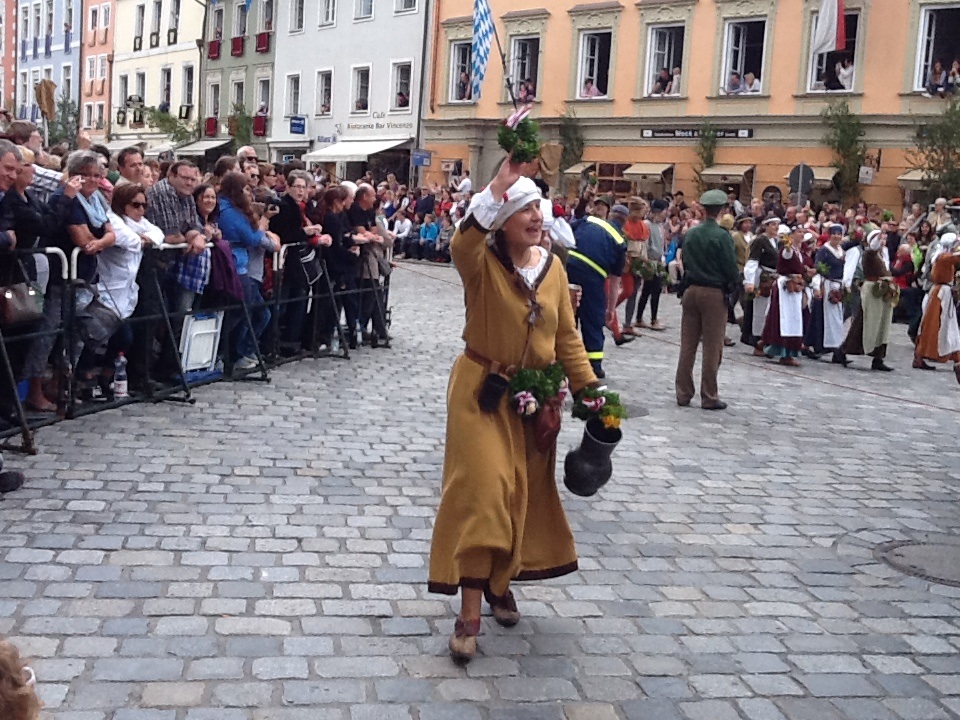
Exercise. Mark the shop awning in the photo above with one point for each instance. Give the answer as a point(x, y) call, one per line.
point(912, 179)
point(647, 171)
point(726, 173)
point(156, 150)
point(352, 150)
point(577, 170)
point(201, 146)
point(822, 176)
point(118, 145)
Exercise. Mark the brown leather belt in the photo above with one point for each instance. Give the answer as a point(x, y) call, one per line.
point(491, 366)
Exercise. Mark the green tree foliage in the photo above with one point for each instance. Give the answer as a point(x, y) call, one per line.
point(572, 140)
point(706, 150)
point(177, 130)
point(937, 153)
point(241, 125)
point(63, 126)
point(845, 137)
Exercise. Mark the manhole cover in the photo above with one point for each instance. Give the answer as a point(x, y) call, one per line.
point(937, 561)
point(635, 410)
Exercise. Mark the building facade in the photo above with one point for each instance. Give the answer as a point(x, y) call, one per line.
point(96, 59)
point(8, 55)
point(237, 71)
point(47, 47)
point(156, 62)
point(592, 69)
point(355, 105)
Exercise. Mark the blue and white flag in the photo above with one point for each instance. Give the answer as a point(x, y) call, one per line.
point(483, 31)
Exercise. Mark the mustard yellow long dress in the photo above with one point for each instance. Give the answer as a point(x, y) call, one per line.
point(500, 516)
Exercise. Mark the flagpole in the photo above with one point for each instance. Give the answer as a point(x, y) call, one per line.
point(503, 62)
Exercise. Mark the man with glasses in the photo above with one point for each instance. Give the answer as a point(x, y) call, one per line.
point(252, 171)
point(247, 154)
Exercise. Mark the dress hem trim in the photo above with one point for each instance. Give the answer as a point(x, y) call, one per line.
point(484, 584)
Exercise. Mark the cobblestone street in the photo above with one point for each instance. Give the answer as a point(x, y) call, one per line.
point(262, 554)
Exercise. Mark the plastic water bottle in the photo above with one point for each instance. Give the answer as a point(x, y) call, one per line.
point(120, 389)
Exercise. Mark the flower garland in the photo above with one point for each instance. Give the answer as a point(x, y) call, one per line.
point(648, 269)
point(533, 388)
point(600, 404)
point(887, 290)
point(519, 136)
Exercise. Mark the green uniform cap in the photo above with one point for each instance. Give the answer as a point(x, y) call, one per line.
point(713, 198)
point(608, 200)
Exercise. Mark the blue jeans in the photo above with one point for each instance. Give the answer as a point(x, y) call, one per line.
point(246, 344)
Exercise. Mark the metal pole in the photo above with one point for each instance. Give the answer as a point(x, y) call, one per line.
point(503, 62)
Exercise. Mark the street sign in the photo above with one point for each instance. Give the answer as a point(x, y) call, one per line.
point(801, 179)
point(421, 158)
point(298, 125)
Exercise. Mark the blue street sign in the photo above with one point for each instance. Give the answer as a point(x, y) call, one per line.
point(298, 125)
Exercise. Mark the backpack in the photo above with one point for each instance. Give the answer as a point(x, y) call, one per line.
point(224, 279)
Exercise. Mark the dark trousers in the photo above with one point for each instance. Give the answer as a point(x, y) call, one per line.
point(347, 283)
point(652, 287)
point(703, 321)
point(372, 307)
point(593, 307)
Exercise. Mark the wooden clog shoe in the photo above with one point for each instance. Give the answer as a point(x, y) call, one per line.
point(505, 609)
point(463, 642)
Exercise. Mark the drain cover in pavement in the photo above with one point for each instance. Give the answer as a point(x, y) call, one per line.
point(937, 560)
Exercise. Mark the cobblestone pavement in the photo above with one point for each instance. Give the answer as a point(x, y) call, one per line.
point(261, 555)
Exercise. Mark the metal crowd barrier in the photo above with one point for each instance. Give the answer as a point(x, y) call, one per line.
point(267, 346)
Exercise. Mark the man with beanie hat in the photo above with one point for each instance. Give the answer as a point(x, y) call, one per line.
point(600, 254)
point(711, 268)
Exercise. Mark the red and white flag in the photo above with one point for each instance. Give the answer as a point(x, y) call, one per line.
point(831, 32)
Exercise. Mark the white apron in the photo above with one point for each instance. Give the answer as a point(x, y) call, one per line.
point(833, 330)
point(761, 305)
point(948, 341)
point(791, 310)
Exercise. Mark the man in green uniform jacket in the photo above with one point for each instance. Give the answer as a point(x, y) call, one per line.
point(710, 262)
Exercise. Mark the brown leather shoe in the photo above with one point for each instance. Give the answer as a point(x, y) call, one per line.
point(505, 610)
point(789, 362)
point(463, 642)
point(757, 352)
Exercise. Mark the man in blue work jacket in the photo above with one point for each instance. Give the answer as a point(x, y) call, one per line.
point(600, 254)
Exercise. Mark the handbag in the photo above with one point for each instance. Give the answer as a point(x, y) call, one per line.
point(548, 424)
point(19, 304)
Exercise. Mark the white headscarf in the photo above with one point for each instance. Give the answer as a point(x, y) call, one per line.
point(946, 243)
point(874, 241)
point(558, 229)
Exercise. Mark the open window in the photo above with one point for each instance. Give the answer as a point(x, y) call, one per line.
point(240, 20)
point(296, 16)
point(324, 92)
point(665, 60)
point(461, 68)
point(834, 71)
point(293, 95)
point(594, 76)
point(363, 10)
point(238, 93)
point(213, 99)
point(406, 6)
point(402, 74)
point(361, 90)
point(216, 22)
point(328, 12)
point(186, 93)
point(263, 96)
point(525, 55)
point(743, 57)
point(938, 47)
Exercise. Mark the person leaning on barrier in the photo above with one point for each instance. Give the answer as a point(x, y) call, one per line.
point(711, 269)
point(344, 256)
point(130, 165)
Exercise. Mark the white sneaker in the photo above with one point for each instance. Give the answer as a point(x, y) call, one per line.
point(246, 363)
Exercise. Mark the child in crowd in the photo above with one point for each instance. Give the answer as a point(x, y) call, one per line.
point(446, 235)
point(18, 696)
point(412, 246)
point(428, 237)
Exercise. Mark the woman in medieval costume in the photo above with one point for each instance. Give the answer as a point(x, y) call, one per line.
point(939, 333)
point(783, 329)
point(500, 517)
point(826, 329)
point(870, 329)
point(758, 279)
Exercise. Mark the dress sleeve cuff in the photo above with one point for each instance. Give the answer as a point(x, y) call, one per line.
point(484, 208)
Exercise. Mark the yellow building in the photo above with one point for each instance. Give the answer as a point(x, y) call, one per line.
point(600, 61)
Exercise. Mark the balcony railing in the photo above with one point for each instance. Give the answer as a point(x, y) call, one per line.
point(213, 50)
point(210, 127)
point(48, 46)
point(237, 45)
point(263, 42)
point(260, 125)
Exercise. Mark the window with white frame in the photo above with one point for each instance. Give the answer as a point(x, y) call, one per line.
point(240, 19)
point(186, 93)
point(156, 17)
point(743, 56)
point(140, 85)
point(48, 73)
point(833, 71)
point(105, 15)
point(361, 90)
point(102, 67)
point(237, 93)
point(23, 88)
point(68, 15)
point(213, 99)
point(100, 116)
point(66, 81)
point(461, 67)
point(665, 59)
point(263, 96)
point(48, 18)
point(216, 31)
point(293, 95)
point(328, 12)
point(406, 6)
point(91, 67)
point(594, 77)
point(324, 92)
point(93, 18)
point(139, 20)
point(25, 25)
point(88, 115)
point(402, 80)
point(123, 90)
point(364, 10)
point(36, 20)
point(937, 47)
point(266, 15)
point(174, 21)
point(296, 16)
point(166, 87)
point(525, 66)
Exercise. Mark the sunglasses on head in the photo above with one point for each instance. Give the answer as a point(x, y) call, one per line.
point(138, 205)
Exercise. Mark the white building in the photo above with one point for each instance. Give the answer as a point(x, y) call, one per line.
point(347, 83)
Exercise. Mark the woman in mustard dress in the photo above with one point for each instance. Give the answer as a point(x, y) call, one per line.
point(500, 517)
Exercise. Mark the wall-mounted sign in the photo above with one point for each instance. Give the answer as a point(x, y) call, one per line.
point(680, 134)
point(326, 139)
point(298, 125)
point(421, 158)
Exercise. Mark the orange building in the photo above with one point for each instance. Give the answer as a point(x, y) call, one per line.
point(96, 58)
point(599, 64)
